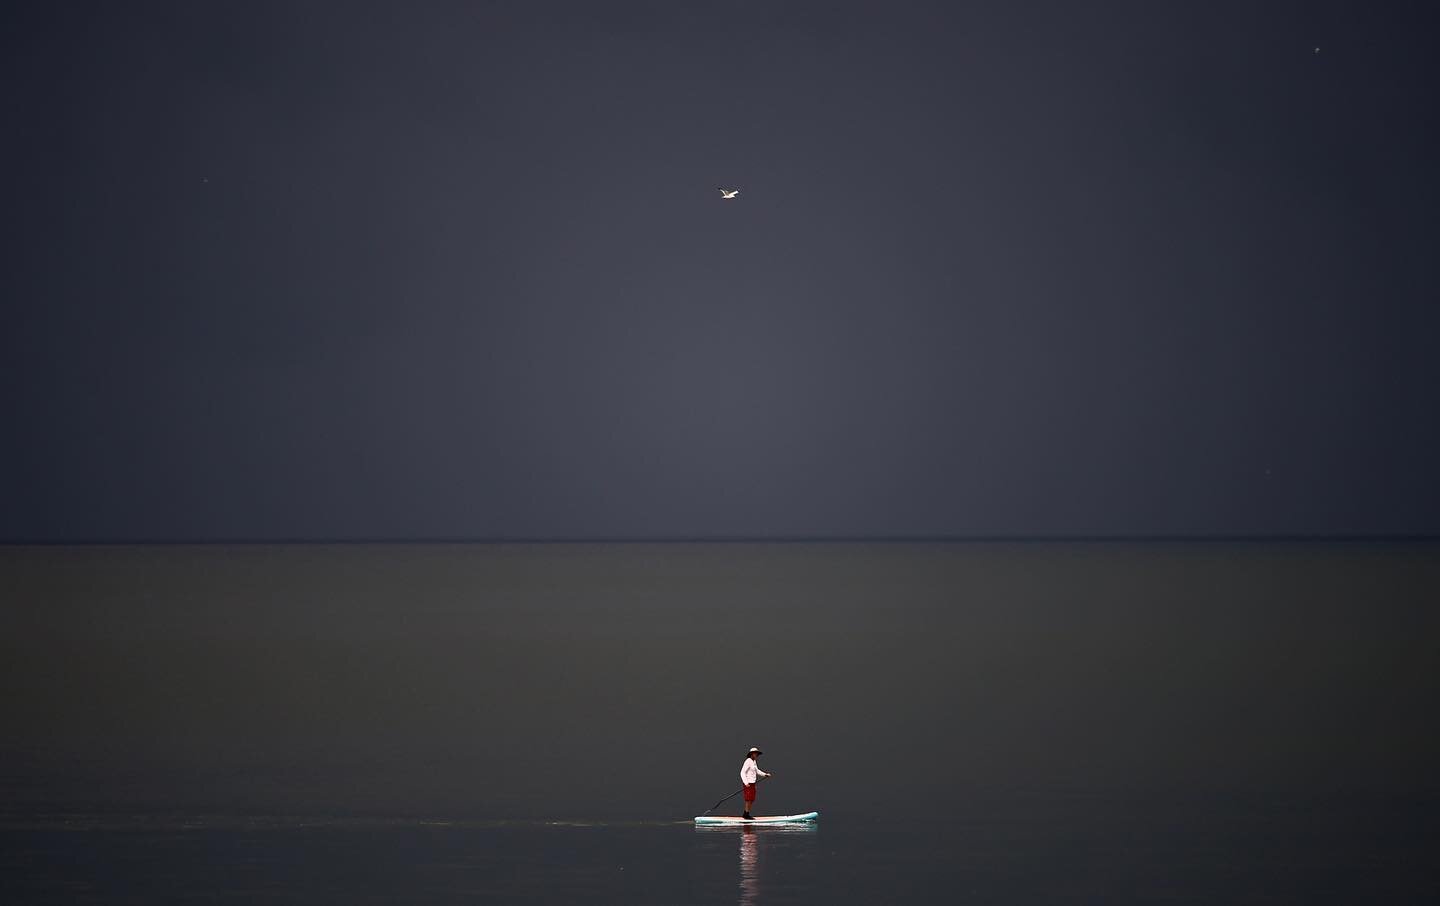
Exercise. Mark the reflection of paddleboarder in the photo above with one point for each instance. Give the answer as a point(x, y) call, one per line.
point(751, 775)
point(749, 865)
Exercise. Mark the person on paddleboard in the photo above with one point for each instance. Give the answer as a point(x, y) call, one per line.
point(751, 775)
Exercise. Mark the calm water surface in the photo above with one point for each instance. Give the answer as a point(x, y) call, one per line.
point(997, 723)
point(1015, 851)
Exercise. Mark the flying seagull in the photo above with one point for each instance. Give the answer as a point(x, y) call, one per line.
point(729, 193)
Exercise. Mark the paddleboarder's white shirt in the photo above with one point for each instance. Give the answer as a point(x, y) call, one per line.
point(750, 771)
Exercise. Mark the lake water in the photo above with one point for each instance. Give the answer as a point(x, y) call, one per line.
point(1001, 851)
point(1215, 722)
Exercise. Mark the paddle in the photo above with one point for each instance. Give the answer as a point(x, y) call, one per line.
point(723, 801)
point(731, 796)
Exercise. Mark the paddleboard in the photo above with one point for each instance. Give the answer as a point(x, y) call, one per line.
point(758, 819)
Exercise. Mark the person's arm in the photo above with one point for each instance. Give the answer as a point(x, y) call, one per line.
point(759, 774)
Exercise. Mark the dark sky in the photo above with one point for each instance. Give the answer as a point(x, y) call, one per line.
point(380, 270)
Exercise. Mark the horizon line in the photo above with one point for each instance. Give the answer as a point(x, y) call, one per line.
point(1052, 538)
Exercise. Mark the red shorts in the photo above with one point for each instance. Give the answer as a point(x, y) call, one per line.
point(749, 792)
